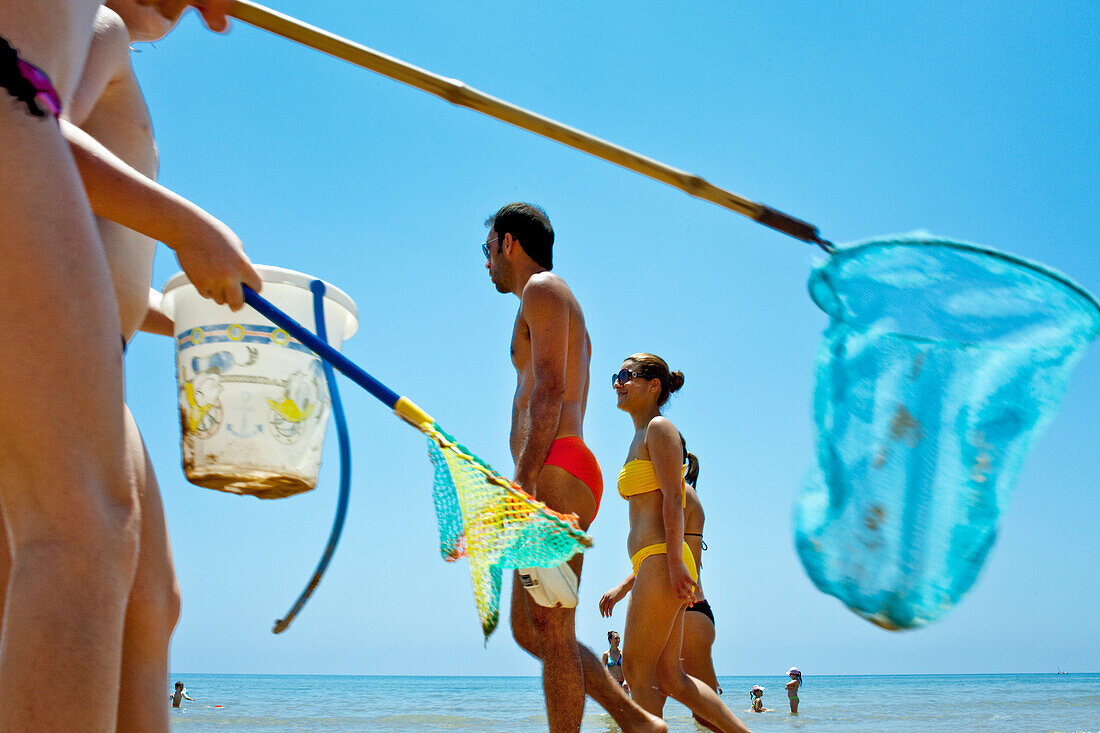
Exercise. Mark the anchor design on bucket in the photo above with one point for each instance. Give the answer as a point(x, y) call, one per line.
point(246, 427)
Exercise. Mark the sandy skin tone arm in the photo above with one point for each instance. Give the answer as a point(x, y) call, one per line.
point(547, 318)
point(616, 594)
point(207, 250)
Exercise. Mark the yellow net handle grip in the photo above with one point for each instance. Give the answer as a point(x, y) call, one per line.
point(412, 413)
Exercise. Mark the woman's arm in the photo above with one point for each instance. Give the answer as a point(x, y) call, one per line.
point(613, 596)
point(663, 441)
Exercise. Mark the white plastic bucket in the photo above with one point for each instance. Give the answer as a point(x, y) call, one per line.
point(253, 401)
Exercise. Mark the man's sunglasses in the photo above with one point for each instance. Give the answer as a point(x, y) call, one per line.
point(485, 246)
point(625, 375)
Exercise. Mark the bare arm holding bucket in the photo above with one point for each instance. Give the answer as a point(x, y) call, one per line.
point(207, 250)
point(156, 320)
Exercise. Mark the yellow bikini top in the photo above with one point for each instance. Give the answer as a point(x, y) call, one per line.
point(639, 477)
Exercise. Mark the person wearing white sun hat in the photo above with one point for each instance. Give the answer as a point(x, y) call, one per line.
point(792, 688)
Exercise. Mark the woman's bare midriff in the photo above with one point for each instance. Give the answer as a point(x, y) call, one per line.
point(647, 526)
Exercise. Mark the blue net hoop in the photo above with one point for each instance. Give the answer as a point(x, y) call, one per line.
point(942, 363)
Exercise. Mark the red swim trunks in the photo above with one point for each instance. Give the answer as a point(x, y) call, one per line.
point(573, 456)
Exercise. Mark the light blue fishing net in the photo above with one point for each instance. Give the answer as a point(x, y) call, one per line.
point(941, 364)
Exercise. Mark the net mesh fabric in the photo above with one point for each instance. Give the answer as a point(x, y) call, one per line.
point(482, 516)
point(942, 363)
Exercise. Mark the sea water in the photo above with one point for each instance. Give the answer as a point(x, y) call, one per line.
point(873, 704)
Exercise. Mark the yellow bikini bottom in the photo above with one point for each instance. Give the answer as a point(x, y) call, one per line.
point(661, 548)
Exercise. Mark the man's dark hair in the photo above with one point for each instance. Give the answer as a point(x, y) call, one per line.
point(530, 225)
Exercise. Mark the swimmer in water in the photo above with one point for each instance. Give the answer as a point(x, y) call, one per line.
point(180, 695)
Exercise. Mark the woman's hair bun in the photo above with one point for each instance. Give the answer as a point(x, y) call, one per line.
point(676, 380)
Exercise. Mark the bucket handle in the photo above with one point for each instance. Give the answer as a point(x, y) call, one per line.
point(318, 289)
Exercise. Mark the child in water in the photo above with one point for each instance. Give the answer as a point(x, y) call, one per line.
point(179, 695)
point(756, 694)
point(792, 688)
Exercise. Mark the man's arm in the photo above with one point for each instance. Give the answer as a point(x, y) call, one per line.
point(207, 250)
point(547, 317)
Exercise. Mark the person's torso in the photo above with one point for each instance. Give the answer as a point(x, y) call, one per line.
point(694, 519)
point(638, 484)
point(578, 355)
point(119, 119)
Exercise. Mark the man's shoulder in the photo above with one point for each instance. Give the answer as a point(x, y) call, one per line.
point(546, 289)
point(545, 283)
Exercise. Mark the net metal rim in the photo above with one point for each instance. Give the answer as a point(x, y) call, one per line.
point(922, 238)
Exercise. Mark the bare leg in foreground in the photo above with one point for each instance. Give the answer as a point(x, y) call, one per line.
point(67, 495)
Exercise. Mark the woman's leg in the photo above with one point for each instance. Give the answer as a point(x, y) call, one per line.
point(698, 640)
point(650, 615)
point(694, 694)
point(67, 496)
point(152, 611)
point(695, 652)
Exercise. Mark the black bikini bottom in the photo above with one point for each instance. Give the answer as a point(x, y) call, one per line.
point(702, 607)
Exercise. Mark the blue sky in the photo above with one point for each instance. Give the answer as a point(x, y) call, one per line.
point(974, 121)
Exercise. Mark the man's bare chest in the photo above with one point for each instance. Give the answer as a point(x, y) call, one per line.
point(521, 346)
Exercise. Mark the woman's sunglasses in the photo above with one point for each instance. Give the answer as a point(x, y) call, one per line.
point(625, 375)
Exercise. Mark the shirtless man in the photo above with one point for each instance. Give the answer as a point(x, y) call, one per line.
point(91, 596)
point(551, 352)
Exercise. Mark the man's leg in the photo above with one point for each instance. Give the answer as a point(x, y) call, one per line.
point(553, 630)
point(562, 673)
point(598, 684)
point(563, 492)
point(152, 610)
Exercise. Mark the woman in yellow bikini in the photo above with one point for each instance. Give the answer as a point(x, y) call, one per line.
point(665, 575)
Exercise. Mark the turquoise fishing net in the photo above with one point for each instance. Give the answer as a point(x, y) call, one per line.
point(941, 365)
point(484, 517)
